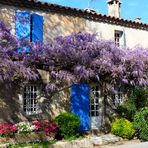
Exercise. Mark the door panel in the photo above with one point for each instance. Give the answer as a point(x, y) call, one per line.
point(95, 108)
point(80, 104)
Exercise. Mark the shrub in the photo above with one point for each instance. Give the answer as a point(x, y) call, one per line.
point(141, 97)
point(24, 127)
point(69, 125)
point(141, 123)
point(123, 128)
point(7, 129)
point(137, 99)
point(127, 110)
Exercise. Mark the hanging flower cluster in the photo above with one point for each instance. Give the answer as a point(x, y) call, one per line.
point(79, 57)
point(11, 67)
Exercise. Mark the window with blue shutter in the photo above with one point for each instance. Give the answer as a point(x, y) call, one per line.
point(23, 29)
point(29, 26)
point(37, 28)
point(23, 25)
point(80, 101)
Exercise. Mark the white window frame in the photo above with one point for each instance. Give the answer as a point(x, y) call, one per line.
point(95, 101)
point(118, 97)
point(30, 94)
point(118, 38)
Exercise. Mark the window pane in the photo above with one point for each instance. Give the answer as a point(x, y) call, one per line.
point(97, 100)
point(92, 113)
point(97, 113)
point(117, 37)
point(92, 107)
point(30, 101)
point(35, 89)
point(35, 95)
point(24, 102)
point(24, 94)
point(97, 107)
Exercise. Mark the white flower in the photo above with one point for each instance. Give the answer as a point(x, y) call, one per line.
point(24, 127)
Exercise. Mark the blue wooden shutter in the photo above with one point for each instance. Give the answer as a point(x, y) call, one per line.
point(23, 25)
point(37, 28)
point(23, 28)
point(80, 104)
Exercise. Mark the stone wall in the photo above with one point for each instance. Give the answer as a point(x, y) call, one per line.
point(24, 138)
point(58, 24)
point(11, 103)
point(11, 109)
point(64, 24)
point(54, 24)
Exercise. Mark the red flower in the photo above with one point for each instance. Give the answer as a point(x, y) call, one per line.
point(7, 128)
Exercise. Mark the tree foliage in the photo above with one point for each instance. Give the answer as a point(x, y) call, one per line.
point(79, 57)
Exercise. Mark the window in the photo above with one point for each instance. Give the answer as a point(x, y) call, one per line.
point(94, 104)
point(117, 97)
point(29, 26)
point(118, 38)
point(30, 99)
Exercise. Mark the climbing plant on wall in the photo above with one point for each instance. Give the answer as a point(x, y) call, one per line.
point(12, 68)
point(79, 57)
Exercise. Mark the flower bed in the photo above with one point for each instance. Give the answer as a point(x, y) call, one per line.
point(25, 132)
point(7, 129)
point(64, 126)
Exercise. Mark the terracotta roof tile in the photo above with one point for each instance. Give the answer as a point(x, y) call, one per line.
point(49, 7)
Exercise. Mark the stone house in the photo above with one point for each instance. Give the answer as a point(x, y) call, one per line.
point(43, 21)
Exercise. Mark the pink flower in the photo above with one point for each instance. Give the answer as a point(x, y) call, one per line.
point(7, 128)
point(49, 127)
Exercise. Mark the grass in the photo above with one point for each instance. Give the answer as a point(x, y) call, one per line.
point(34, 145)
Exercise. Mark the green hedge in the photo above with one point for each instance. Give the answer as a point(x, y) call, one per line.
point(69, 125)
point(123, 128)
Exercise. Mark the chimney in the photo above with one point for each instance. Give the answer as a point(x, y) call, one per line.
point(114, 8)
point(138, 19)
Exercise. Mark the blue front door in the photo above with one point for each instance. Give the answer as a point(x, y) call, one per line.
point(80, 104)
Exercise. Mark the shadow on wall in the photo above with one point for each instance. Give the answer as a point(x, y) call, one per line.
point(110, 113)
point(57, 104)
point(57, 24)
point(9, 104)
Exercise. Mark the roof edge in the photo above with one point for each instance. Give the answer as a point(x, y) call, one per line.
point(45, 6)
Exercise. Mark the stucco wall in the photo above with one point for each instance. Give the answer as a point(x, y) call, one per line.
point(133, 37)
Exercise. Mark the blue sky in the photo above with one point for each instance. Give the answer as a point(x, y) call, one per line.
point(130, 9)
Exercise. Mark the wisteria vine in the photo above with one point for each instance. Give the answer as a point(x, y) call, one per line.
point(79, 57)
